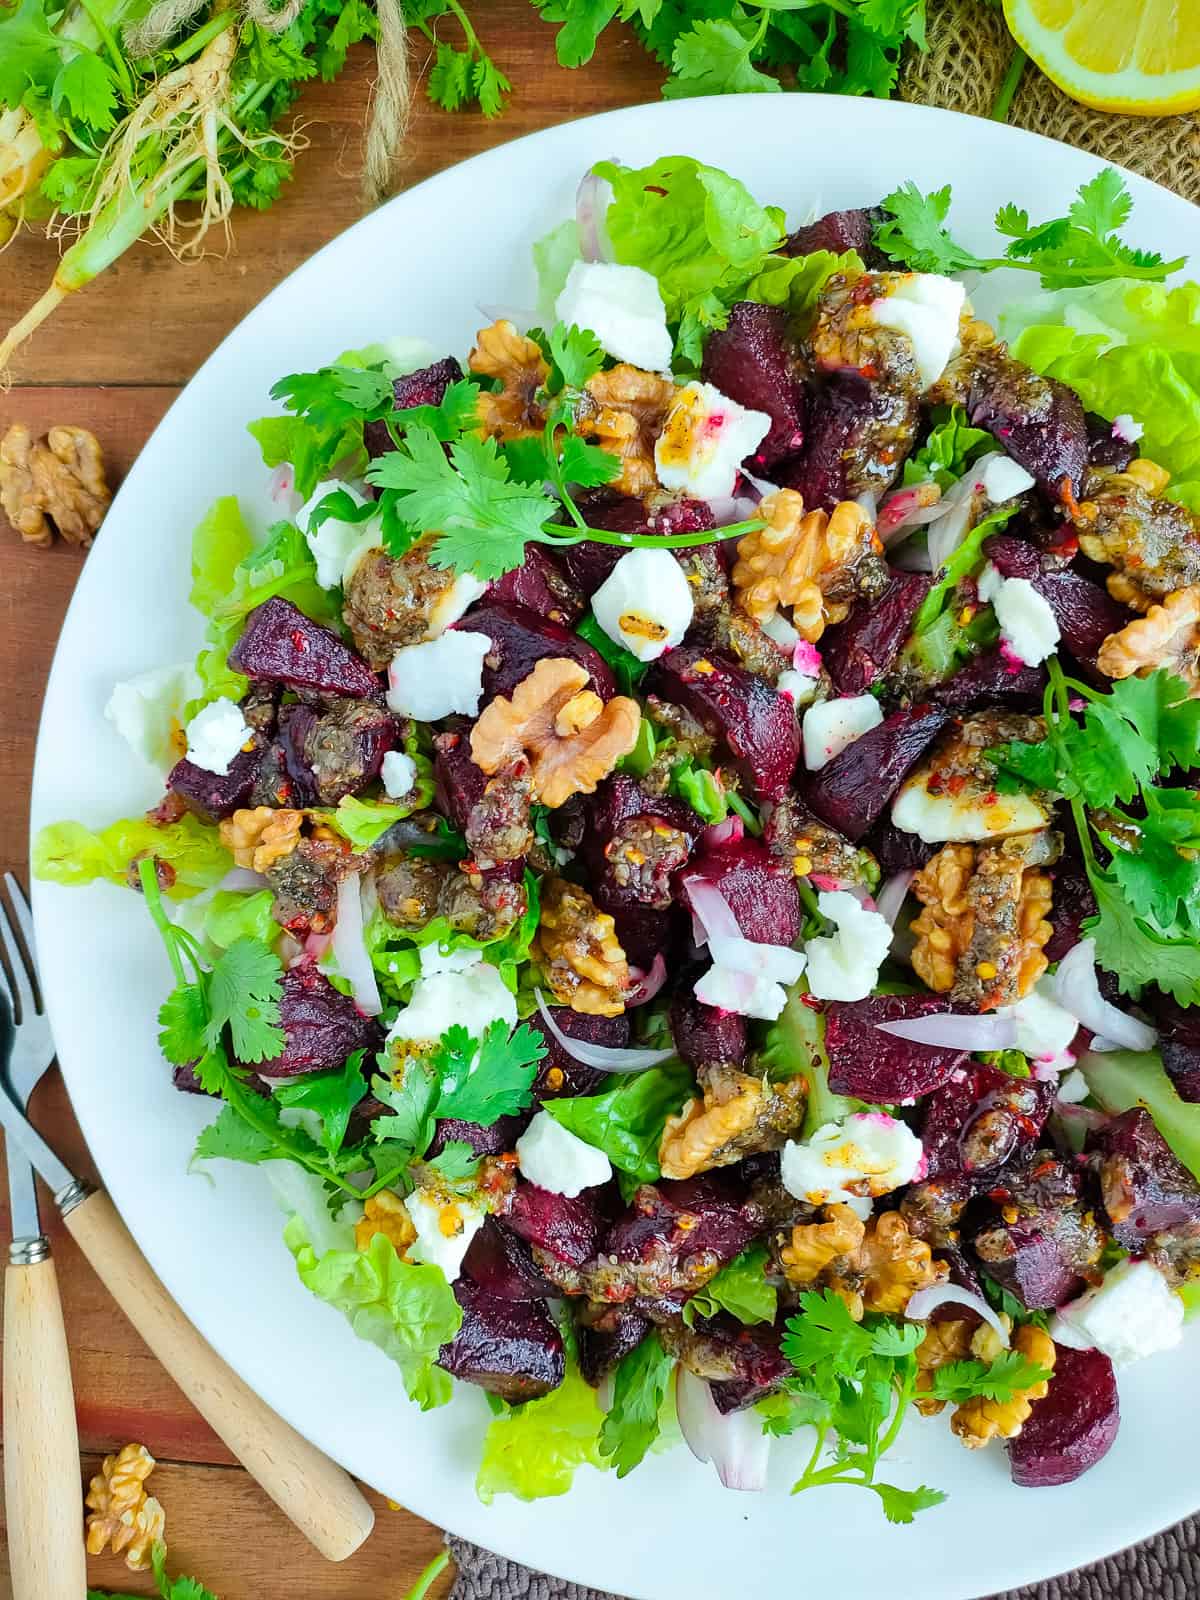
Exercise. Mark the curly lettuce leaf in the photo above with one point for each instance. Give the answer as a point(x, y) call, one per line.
point(221, 541)
point(228, 915)
point(553, 257)
point(69, 853)
point(532, 1451)
point(741, 1288)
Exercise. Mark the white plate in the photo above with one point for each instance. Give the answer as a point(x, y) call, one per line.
point(420, 266)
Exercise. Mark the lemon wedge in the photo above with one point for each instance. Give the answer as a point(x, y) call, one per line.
point(1141, 57)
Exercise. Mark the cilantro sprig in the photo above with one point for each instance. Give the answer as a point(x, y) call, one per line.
point(1083, 247)
point(180, 1588)
point(1000, 1380)
point(631, 1423)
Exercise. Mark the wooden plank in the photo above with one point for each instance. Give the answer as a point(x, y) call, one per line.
point(221, 1529)
point(150, 319)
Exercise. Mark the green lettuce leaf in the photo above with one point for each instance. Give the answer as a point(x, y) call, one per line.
point(229, 915)
point(794, 1047)
point(532, 1451)
point(1122, 1079)
point(740, 1288)
point(221, 541)
point(796, 281)
point(626, 1122)
point(408, 1311)
point(553, 257)
point(69, 853)
point(950, 448)
point(396, 956)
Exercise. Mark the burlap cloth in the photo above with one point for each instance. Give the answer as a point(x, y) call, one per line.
point(963, 70)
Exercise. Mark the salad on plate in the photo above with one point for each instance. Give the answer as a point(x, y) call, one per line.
point(677, 855)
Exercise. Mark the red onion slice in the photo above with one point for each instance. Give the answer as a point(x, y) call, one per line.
point(1077, 990)
point(648, 983)
point(350, 948)
point(733, 1441)
point(729, 508)
point(710, 908)
point(282, 488)
point(601, 1056)
point(926, 1301)
point(731, 831)
point(591, 203)
point(907, 509)
point(891, 897)
point(950, 1032)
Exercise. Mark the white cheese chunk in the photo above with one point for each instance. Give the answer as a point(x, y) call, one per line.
point(453, 602)
point(147, 711)
point(1133, 1313)
point(645, 603)
point(777, 627)
point(399, 773)
point(704, 441)
point(216, 734)
point(1003, 478)
point(743, 992)
point(439, 677)
point(964, 817)
point(623, 307)
point(1045, 1030)
point(436, 958)
point(798, 686)
point(445, 1226)
point(927, 307)
point(868, 1154)
point(1027, 623)
point(829, 727)
point(845, 965)
point(332, 542)
point(558, 1160)
point(474, 998)
point(1072, 1088)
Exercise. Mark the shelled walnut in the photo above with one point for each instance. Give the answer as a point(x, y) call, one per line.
point(122, 1516)
point(808, 560)
point(56, 481)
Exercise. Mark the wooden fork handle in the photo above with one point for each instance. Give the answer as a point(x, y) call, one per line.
point(42, 1487)
point(315, 1493)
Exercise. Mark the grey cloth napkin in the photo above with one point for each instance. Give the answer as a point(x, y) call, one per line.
point(1166, 1567)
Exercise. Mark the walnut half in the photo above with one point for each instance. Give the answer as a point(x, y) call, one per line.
point(978, 1420)
point(577, 948)
point(807, 560)
point(258, 837)
point(1167, 636)
point(53, 482)
point(122, 1516)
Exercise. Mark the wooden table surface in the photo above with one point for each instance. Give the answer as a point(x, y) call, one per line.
point(113, 360)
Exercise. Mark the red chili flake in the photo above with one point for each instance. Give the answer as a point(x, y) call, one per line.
point(298, 640)
point(869, 371)
point(991, 798)
point(957, 783)
point(811, 1001)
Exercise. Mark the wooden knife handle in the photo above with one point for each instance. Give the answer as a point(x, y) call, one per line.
point(42, 1485)
point(313, 1491)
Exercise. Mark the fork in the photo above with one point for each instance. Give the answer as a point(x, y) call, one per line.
point(41, 1443)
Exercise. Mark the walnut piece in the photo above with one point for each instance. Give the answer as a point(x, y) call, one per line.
point(817, 1246)
point(122, 1516)
point(943, 1342)
point(571, 738)
point(805, 560)
point(624, 411)
point(258, 837)
point(577, 948)
point(53, 482)
point(886, 1269)
point(978, 1420)
point(384, 1213)
point(1153, 543)
point(1167, 636)
point(737, 1114)
point(513, 412)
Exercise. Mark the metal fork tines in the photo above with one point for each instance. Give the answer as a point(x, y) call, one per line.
point(32, 1052)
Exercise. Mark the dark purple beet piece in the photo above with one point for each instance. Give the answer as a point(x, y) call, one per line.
point(569, 1228)
point(861, 649)
point(644, 931)
point(1178, 1042)
point(1073, 1427)
point(1105, 448)
point(558, 1072)
point(1086, 614)
point(588, 564)
point(321, 1027)
point(764, 900)
point(279, 642)
point(605, 1335)
point(1013, 557)
point(520, 639)
point(751, 361)
point(1038, 421)
point(990, 678)
point(492, 1140)
point(839, 231)
point(758, 1366)
point(879, 1067)
point(185, 1080)
point(510, 1347)
point(896, 851)
point(425, 387)
point(704, 1036)
point(541, 585)
point(757, 724)
point(1038, 1238)
point(975, 1122)
point(674, 1222)
point(335, 751)
point(1073, 902)
point(501, 1263)
point(1144, 1188)
point(459, 782)
point(840, 458)
point(211, 795)
point(856, 787)
point(633, 842)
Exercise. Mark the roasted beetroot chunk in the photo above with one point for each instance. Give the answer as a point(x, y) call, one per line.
point(1144, 1189)
point(1086, 614)
point(520, 639)
point(282, 644)
point(1073, 904)
point(510, 1347)
point(1105, 447)
point(588, 564)
point(839, 231)
point(492, 814)
point(541, 585)
point(844, 452)
point(1039, 1238)
point(763, 899)
point(569, 1229)
point(879, 1067)
point(644, 932)
point(978, 1120)
point(675, 1230)
point(492, 1140)
point(743, 1364)
point(988, 679)
point(1038, 421)
point(321, 1027)
point(757, 724)
point(605, 1335)
point(336, 750)
point(426, 387)
point(751, 360)
point(704, 1036)
point(896, 851)
point(634, 842)
point(1178, 1043)
point(854, 789)
point(862, 649)
point(502, 1264)
point(211, 795)
point(1073, 1427)
point(558, 1072)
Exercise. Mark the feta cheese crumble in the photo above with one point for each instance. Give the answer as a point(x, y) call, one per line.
point(798, 686)
point(399, 773)
point(1133, 1313)
point(1003, 478)
point(436, 958)
point(332, 542)
point(845, 965)
point(474, 998)
point(432, 680)
point(963, 818)
point(927, 307)
point(867, 1155)
point(147, 711)
point(558, 1160)
point(623, 307)
point(1045, 1030)
point(704, 441)
point(1027, 624)
point(445, 1227)
point(216, 734)
point(645, 603)
point(453, 602)
point(748, 977)
point(829, 727)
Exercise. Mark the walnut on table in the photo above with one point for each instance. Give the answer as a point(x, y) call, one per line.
point(979, 1420)
point(1167, 636)
point(579, 953)
point(806, 560)
point(56, 481)
point(122, 1516)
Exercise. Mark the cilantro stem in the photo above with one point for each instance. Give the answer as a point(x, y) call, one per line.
point(670, 541)
point(1008, 89)
point(429, 1577)
point(148, 878)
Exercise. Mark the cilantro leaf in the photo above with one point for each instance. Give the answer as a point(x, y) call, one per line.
point(740, 1287)
point(902, 1505)
point(183, 1024)
point(455, 414)
point(576, 355)
point(230, 1138)
point(999, 1380)
point(916, 234)
point(456, 1161)
point(631, 1424)
point(586, 466)
point(87, 87)
point(243, 993)
point(449, 81)
point(1138, 953)
point(583, 21)
point(333, 396)
point(715, 57)
point(412, 1105)
point(484, 1080)
point(331, 1095)
point(1160, 872)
